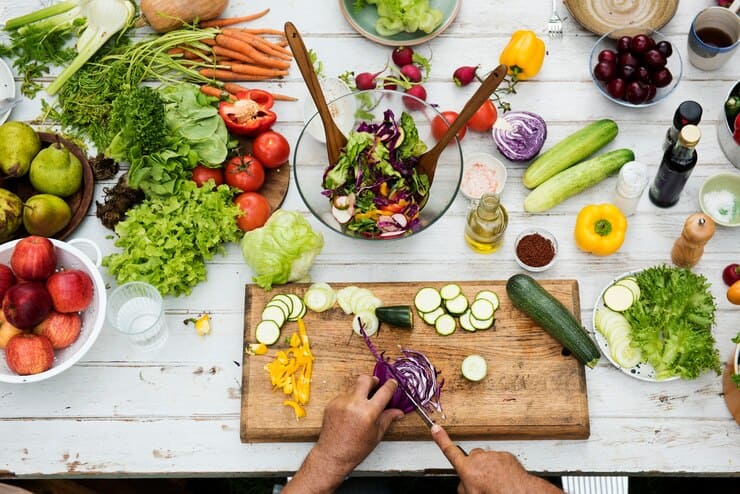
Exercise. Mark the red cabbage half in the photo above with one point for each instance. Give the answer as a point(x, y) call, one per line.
point(519, 135)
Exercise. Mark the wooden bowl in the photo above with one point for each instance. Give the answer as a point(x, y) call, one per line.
point(603, 16)
point(79, 202)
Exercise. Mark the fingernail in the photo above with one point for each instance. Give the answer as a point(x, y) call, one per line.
point(435, 428)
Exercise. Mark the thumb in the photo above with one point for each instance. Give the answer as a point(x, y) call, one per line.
point(453, 453)
point(388, 417)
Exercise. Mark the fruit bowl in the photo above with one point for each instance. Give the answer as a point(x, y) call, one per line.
point(636, 65)
point(93, 317)
point(310, 163)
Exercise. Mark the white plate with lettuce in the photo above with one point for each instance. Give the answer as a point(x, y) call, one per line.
point(674, 310)
point(379, 20)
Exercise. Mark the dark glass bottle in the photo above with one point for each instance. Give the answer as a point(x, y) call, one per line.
point(688, 113)
point(675, 169)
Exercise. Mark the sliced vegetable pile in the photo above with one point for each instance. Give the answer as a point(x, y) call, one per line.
point(439, 308)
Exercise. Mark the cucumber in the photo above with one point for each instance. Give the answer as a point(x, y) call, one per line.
point(267, 332)
point(531, 298)
point(445, 325)
point(480, 324)
point(299, 308)
point(448, 292)
point(427, 299)
point(618, 297)
point(465, 322)
point(482, 309)
point(571, 150)
point(431, 317)
point(576, 179)
point(457, 305)
point(397, 315)
point(274, 313)
point(490, 296)
point(474, 368)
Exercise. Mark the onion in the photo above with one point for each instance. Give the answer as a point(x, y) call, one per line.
point(413, 370)
point(167, 15)
point(519, 135)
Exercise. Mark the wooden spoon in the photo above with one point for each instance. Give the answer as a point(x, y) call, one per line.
point(428, 161)
point(335, 139)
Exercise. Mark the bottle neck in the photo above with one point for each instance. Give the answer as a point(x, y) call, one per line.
point(681, 153)
point(489, 207)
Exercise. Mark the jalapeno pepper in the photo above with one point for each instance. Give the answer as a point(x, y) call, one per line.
point(250, 114)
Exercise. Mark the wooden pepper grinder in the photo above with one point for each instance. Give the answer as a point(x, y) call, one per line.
point(689, 247)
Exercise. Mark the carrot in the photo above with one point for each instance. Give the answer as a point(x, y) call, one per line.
point(208, 41)
point(236, 55)
point(250, 51)
point(260, 43)
point(263, 30)
point(176, 51)
point(193, 54)
point(233, 20)
point(256, 70)
point(234, 88)
point(217, 93)
point(228, 75)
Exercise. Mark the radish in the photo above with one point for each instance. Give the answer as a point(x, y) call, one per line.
point(464, 75)
point(366, 80)
point(402, 56)
point(411, 72)
point(390, 86)
point(419, 92)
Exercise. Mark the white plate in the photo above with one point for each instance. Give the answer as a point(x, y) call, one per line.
point(7, 87)
point(643, 371)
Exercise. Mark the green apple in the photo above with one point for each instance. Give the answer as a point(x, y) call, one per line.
point(45, 214)
point(55, 170)
point(19, 143)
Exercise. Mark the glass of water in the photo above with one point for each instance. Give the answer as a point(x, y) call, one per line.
point(135, 310)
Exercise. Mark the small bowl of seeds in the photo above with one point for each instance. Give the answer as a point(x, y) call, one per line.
point(536, 249)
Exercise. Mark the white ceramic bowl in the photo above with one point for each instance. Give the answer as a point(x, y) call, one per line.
point(547, 235)
point(7, 87)
point(475, 180)
point(68, 257)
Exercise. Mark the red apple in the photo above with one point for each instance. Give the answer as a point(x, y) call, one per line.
point(34, 258)
point(27, 304)
point(61, 329)
point(7, 331)
point(70, 290)
point(28, 353)
point(7, 279)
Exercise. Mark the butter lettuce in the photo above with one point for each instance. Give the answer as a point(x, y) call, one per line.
point(395, 16)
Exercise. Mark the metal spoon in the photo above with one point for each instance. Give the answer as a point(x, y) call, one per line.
point(7, 104)
point(335, 139)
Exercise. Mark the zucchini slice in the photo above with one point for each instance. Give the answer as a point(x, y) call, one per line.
point(280, 304)
point(490, 296)
point(299, 308)
point(482, 309)
point(480, 324)
point(474, 368)
point(632, 285)
point(445, 325)
point(274, 313)
point(284, 299)
point(267, 332)
point(465, 321)
point(397, 315)
point(618, 298)
point(456, 305)
point(431, 317)
point(450, 291)
point(427, 299)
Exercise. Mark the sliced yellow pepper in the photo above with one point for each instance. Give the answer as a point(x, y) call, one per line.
point(257, 349)
point(300, 412)
point(600, 229)
point(524, 55)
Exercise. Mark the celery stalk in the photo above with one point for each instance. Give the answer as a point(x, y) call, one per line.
point(38, 15)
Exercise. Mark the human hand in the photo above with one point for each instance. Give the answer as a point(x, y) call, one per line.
point(354, 423)
point(489, 472)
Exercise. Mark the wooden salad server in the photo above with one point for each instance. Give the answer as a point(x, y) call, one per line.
point(335, 139)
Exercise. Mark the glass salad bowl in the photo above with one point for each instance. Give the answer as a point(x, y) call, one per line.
point(385, 200)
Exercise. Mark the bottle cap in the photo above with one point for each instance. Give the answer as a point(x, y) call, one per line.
point(688, 113)
point(689, 136)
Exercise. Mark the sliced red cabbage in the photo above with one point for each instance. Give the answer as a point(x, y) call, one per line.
point(519, 135)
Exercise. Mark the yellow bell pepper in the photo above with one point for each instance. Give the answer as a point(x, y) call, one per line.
point(600, 229)
point(524, 55)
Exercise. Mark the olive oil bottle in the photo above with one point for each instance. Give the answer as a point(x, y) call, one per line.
point(486, 223)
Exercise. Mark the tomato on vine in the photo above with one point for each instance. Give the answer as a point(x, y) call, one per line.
point(484, 118)
point(440, 124)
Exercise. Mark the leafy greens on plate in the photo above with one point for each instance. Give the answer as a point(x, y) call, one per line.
point(395, 16)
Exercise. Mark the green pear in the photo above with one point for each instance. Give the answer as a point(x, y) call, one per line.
point(55, 170)
point(11, 211)
point(45, 214)
point(19, 143)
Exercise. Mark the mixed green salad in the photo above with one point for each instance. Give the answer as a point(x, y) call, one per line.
point(374, 188)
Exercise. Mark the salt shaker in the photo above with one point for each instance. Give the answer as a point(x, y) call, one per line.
point(689, 247)
point(633, 178)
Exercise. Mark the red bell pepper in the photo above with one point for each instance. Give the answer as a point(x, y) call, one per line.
point(250, 114)
point(736, 134)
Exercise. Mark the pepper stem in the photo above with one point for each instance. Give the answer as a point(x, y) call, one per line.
point(603, 227)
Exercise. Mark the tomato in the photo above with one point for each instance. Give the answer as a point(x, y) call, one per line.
point(201, 174)
point(271, 149)
point(245, 172)
point(483, 119)
point(440, 126)
point(256, 210)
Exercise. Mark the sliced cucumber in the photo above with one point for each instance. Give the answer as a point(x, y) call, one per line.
point(299, 308)
point(274, 313)
point(490, 296)
point(431, 317)
point(448, 292)
point(474, 368)
point(632, 285)
point(267, 332)
point(398, 315)
point(624, 353)
point(482, 309)
point(369, 321)
point(456, 305)
point(480, 324)
point(445, 325)
point(284, 307)
point(618, 298)
point(465, 321)
point(285, 299)
point(427, 299)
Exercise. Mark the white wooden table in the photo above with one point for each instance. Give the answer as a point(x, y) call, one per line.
point(176, 412)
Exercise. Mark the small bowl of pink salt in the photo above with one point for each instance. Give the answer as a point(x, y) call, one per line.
point(482, 173)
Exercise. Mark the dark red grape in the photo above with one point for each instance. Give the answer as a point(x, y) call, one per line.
point(605, 71)
point(653, 59)
point(665, 48)
point(650, 92)
point(642, 74)
point(607, 56)
point(623, 44)
point(661, 77)
point(615, 88)
point(636, 92)
point(627, 59)
point(640, 44)
point(627, 72)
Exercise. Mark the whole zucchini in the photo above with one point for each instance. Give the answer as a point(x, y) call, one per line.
point(566, 153)
point(576, 179)
point(531, 298)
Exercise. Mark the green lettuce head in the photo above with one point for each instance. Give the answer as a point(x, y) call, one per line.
point(283, 250)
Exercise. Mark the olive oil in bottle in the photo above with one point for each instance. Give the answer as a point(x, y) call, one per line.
point(486, 223)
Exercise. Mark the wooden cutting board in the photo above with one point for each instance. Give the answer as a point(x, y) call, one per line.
point(533, 389)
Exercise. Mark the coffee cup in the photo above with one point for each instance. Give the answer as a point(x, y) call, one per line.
point(713, 38)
